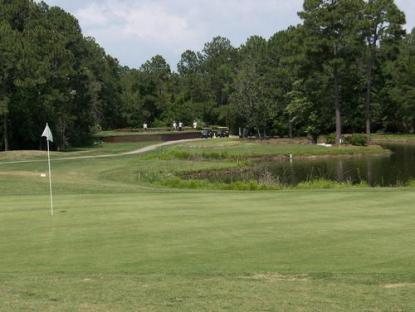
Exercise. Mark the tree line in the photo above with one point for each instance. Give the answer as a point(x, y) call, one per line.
point(348, 67)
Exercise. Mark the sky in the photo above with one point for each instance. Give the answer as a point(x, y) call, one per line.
point(135, 30)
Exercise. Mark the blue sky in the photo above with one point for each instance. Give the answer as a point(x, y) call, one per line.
point(135, 30)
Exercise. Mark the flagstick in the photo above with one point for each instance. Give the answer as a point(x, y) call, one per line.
point(50, 181)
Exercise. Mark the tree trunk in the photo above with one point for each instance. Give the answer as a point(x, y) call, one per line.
point(290, 129)
point(338, 108)
point(6, 134)
point(369, 95)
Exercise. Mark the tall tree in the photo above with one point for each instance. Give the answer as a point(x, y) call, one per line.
point(382, 21)
point(154, 87)
point(332, 33)
point(219, 59)
point(250, 97)
point(8, 40)
point(284, 63)
point(399, 107)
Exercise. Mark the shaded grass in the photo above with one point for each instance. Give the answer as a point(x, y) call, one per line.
point(393, 138)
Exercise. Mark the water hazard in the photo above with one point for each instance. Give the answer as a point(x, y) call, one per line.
point(392, 170)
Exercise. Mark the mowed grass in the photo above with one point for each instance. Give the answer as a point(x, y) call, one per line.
point(393, 138)
point(95, 150)
point(118, 245)
point(240, 149)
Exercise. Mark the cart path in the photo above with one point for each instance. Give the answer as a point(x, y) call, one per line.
point(134, 152)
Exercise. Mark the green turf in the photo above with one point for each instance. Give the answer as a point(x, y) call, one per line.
point(393, 138)
point(235, 148)
point(97, 149)
point(116, 244)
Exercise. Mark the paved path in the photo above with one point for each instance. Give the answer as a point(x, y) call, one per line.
point(134, 152)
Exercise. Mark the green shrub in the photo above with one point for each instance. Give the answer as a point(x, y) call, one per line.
point(331, 139)
point(357, 140)
point(318, 184)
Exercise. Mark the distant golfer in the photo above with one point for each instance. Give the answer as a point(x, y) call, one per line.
point(145, 126)
point(195, 124)
point(174, 125)
point(180, 126)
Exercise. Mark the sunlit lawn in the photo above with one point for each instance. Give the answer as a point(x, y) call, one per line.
point(118, 245)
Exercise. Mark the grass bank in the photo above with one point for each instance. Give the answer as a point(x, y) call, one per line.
point(393, 138)
point(235, 149)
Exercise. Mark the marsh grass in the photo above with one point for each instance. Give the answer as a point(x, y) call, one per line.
point(172, 153)
point(330, 184)
point(265, 182)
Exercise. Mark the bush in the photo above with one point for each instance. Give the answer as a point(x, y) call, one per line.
point(357, 140)
point(331, 139)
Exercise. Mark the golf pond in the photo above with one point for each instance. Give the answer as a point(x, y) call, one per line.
point(394, 169)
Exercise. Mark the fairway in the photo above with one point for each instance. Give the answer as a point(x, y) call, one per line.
point(119, 245)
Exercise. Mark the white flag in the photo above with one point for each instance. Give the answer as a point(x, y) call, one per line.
point(47, 133)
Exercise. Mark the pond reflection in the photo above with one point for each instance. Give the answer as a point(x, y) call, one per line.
point(394, 170)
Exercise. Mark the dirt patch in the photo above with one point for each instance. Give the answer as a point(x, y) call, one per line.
point(20, 173)
point(399, 285)
point(92, 307)
point(276, 277)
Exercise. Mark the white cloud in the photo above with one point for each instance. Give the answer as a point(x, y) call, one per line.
point(148, 22)
point(93, 16)
point(135, 30)
point(408, 6)
point(170, 27)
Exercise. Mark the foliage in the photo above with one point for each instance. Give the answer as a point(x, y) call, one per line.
point(331, 138)
point(348, 67)
point(357, 139)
